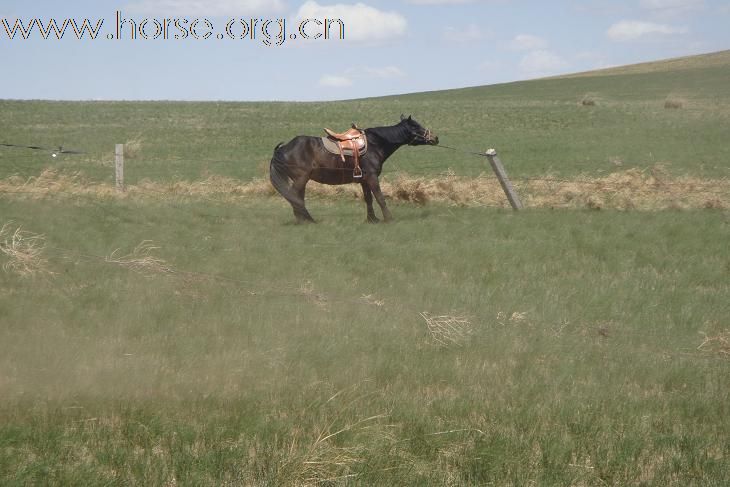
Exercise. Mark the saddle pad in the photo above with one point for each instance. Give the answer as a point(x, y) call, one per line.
point(332, 147)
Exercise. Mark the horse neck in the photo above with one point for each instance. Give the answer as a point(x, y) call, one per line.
point(388, 139)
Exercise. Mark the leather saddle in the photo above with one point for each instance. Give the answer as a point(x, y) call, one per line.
point(351, 142)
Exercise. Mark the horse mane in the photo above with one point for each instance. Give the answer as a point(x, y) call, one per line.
point(393, 134)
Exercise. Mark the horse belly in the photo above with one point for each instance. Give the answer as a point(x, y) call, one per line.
point(332, 176)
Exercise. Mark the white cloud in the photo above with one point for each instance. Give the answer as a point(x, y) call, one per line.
point(672, 7)
point(470, 33)
point(363, 23)
point(440, 2)
point(206, 8)
point(351, 75)
point(527, 42)
point(385, 72)
point(630, 30)
point(542, 63)
point(332, 81)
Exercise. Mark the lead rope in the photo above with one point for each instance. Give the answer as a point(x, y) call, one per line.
point(472, 153)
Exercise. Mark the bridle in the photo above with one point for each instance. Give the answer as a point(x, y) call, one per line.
point(426, 136)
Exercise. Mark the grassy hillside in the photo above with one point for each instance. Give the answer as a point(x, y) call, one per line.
point(701, 61)
point(539, 127)
point(186, 332)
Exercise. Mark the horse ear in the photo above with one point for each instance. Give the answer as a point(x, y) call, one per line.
point(409, 117)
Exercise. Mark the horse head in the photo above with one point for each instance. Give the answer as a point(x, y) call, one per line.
point(420, 135)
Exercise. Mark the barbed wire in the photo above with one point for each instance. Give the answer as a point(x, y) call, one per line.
point(154, 168)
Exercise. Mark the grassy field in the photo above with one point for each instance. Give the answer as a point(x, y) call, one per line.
point(559, 348)
point(188, 333)
point(540, 127)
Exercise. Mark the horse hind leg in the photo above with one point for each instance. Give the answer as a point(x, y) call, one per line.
point(297, 202)
point(374, 185)
point(368, 196)
point(292, 192)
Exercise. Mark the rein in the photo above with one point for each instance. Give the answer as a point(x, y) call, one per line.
point(471, 153)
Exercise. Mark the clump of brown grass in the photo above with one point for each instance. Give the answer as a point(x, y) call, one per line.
point(674, 103)
point(650, 189)
point(718, 344)
point(141, 260)
point(52, 182)
point(446, 331)
point(369, 299)
point(588, 100)
point(412, 190)
point(515, 318)
point(24, 251)
point(331, 440)
point(133, 147)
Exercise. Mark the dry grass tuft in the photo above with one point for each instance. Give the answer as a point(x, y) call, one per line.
point(651, 189)
point(53, 182)
point(718, 344)
point(141, 260)
point(411, 190)
point(674, 103)
point(369, 299)
point(332, 440)
point(133, 147)
point(588, 100)
point(24, 251)
point(515, 318)
point(446, 331)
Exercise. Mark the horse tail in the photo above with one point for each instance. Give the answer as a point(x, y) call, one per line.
point(278, 175)
point(281, 181)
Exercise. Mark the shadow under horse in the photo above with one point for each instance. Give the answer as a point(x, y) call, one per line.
point(306, 157)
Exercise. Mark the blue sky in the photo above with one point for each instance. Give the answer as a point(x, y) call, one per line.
point(400, 46)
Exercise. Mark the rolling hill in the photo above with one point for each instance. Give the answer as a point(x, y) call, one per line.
point(588, 123)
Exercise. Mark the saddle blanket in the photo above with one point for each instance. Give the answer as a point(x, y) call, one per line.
point(333, 147)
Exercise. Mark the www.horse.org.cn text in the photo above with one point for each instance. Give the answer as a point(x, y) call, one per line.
point(269, 32)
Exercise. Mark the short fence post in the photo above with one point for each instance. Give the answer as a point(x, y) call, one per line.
point(119, 153)
point(498, 169)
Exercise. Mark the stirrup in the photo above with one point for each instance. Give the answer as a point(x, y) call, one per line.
point(357, 173)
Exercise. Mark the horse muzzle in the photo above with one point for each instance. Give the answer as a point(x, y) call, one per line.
point(431, 138)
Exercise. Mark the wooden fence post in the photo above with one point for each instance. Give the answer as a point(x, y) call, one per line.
point(119, 153)
point(498, 169)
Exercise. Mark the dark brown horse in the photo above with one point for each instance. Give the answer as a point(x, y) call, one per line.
point(305, 157)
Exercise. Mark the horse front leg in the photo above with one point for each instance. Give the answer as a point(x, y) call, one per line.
point(368, 195)
point(374, 186)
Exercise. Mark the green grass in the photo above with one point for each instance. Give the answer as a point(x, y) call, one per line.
point(237, 348)
point(582, 365)
point(538, 126)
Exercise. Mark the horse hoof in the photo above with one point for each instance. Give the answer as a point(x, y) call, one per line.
point(373, 220)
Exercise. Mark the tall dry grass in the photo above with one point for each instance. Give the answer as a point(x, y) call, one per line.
point(24, 251)
point(648, 189)
point(141, 260)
